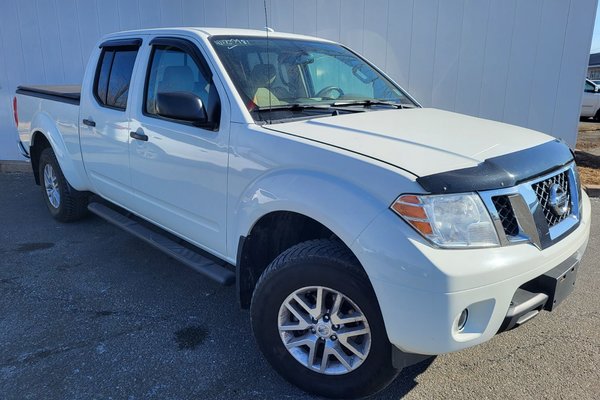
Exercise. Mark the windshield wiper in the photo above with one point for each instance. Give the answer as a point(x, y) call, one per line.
point(366, 103)
point(300, 110)
point(295, 107)
point(297, 110)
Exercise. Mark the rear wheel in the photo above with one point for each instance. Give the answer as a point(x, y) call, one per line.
point(316, 320)
point(64, 202)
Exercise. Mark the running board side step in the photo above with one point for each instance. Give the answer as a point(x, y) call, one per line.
point(192, 259)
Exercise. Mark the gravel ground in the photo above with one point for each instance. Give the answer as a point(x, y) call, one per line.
point(588, 152)
point(588, 139)
point(87, 311)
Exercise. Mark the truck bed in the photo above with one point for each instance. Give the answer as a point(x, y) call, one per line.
point(63, 93)
point(52, 108)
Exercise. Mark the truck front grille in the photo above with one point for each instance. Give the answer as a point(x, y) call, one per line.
point(524, 213)
point(506, 215)
point(542, 191)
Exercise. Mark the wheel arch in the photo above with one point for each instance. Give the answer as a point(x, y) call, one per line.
point(44, 134)
point(272, 234)
point(286, 207)
point(38, 143)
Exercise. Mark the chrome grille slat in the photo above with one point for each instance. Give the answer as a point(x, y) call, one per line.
point(542, 191)
point(506, 215)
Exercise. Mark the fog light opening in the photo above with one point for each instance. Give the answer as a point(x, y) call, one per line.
point(462, 320)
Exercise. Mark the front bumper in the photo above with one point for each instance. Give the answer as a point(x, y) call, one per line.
point(545, 292)
point(423, 290)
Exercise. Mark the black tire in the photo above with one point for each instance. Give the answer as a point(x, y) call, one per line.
point(330, 264)
point(72, 204)
point(597, 116)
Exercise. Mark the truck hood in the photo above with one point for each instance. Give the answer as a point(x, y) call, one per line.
point(422, 141)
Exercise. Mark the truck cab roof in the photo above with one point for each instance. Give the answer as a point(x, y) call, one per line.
point(206, 32)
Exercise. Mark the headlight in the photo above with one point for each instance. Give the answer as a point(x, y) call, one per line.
point(453, 220)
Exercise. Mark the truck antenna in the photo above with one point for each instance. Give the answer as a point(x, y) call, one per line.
point(267, 30)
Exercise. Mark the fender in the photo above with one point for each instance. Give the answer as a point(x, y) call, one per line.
point(64, 139)
point(339, 205)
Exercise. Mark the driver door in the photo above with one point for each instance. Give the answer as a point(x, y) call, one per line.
point(179, 170)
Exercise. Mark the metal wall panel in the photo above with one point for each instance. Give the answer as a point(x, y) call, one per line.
point(305, 17)
point(447, 52)
point(470, 56)
point(522, 68)
point(374, 31)
point(400, 40)
point(521, 62)
point(193, 12)
point(549, 52)
point(328, 19)
point(352, 24)
point(575, 55)
point(496, 59)
point(422, 50)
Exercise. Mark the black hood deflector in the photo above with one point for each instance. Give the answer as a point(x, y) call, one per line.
point(502, 171)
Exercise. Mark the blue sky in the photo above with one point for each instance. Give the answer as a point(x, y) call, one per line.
point(596, 37)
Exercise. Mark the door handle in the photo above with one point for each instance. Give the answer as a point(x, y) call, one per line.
point(139, 136)
point(89, 122)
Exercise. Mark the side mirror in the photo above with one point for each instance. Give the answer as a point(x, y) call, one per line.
point(183, 106)
point(596, 89)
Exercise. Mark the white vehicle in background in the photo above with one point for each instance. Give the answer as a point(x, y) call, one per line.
point(365, 233)
point(590, 105)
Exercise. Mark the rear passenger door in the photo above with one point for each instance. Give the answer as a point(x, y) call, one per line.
point(104, 119)
point(178, 168)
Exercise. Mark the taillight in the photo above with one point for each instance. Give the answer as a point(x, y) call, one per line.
point(15, 112)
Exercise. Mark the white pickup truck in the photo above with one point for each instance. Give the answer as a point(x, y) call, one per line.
point(363, 231)
point(590, 104)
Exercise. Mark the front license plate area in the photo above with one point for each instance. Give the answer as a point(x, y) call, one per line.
point(558, 283)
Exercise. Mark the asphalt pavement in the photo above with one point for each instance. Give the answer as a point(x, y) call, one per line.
point(89, 312)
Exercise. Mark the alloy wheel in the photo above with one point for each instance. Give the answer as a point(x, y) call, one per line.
point(51, 186)
point(324, 330)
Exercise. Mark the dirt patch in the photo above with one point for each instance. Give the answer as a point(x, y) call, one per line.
point(589, 137)
point(190, 337)
point(28, 247)
point(103, 313)
point(589, 167)
point(589, 175)
point(588, 153)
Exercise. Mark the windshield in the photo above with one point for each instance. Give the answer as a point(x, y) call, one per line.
point(286, 72)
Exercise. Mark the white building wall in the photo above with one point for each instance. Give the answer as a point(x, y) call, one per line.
point(522, 62)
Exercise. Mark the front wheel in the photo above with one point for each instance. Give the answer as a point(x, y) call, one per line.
point(64, 202)
point(316, 320)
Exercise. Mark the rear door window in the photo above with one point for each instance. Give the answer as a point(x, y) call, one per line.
point(113, 76)
point(102, 85)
